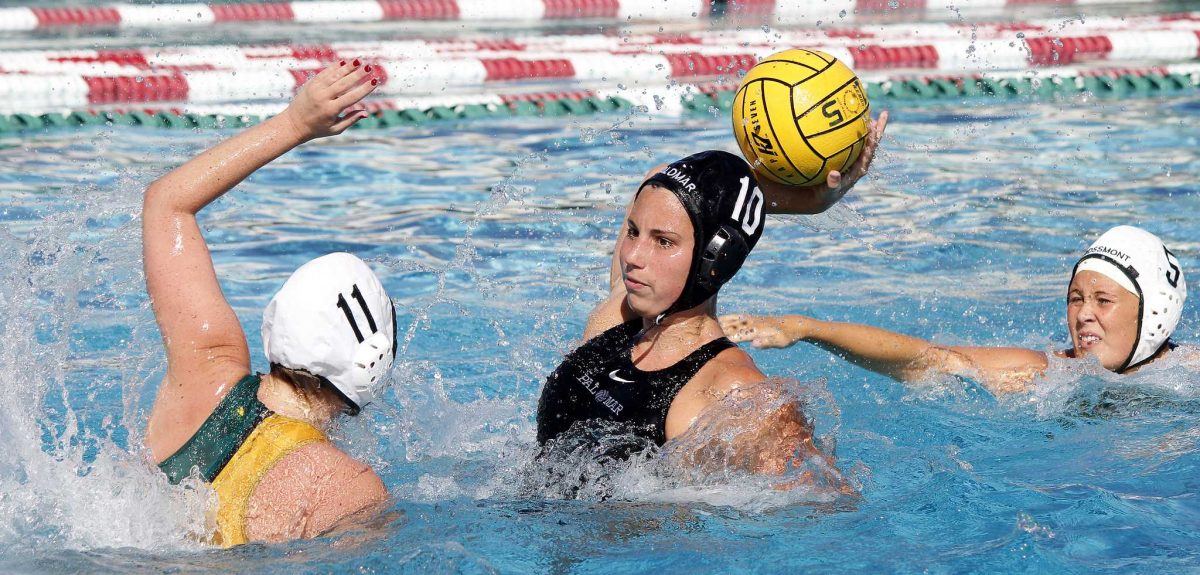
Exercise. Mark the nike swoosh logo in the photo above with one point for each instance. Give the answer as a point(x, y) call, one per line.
point(613, 376)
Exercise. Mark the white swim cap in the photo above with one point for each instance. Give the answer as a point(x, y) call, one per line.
point(1139, 262)
point(332, 319)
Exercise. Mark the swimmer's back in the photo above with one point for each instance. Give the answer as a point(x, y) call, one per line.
point(276, 477)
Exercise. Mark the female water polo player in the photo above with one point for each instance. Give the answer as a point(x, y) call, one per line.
point(1125, 298)
point(654, 356)
point(329, 334)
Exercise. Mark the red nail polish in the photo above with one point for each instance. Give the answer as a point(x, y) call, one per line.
point(374, 82)
point(356, 62)
point(368, 68)
point(342, 63)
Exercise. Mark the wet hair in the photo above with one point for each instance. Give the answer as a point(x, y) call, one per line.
point(297, 378)
point(308, 383)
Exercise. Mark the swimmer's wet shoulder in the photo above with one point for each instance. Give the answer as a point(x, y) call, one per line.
point(729, 370)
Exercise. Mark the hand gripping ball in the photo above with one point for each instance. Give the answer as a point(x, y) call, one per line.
point(800, 114)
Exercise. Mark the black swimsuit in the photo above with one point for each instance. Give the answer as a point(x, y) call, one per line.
point(599, 381)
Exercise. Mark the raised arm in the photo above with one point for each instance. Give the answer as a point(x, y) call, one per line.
point(1000, 369)
point(785, 199)
point(206, 348)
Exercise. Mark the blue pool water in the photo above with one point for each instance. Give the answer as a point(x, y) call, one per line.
point(494, 238)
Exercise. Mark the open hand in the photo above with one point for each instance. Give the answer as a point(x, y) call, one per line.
point(763, 331)
point(328, 102)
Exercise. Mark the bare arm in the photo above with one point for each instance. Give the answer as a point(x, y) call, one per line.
point(1000, 369)
point(206, 348)
point(730, 371)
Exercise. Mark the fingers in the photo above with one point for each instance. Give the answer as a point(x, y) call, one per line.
point(736, 327)
point(860, 167)
point(769, 340)
point(351, 78)
point(879, 127)
point(834, 179)
point(333, 72)
point(863, 164)
point(356, 94)
point(348, 120)
point(733, 321)
point(740, 333)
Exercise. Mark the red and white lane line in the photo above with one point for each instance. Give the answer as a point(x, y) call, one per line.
point(130, 76)
point(317, 11)
point(1027, 49)
point(658, 100)
point(1159, 29)
point(41, 94)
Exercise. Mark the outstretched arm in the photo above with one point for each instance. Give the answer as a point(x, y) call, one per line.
point(785, 199)
point(1000, 369)
point(206, 348)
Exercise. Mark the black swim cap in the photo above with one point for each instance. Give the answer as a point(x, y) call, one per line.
point(721, 196)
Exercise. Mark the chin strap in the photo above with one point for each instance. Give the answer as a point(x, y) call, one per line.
point(1168, 344)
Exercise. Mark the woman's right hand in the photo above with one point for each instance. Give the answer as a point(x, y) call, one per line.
point(323, 106)
point(765, 331)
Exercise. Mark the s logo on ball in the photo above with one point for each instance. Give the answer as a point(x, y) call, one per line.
point(799, 115)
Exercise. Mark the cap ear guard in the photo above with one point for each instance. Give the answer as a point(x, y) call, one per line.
point(721, 258)
point(372, 361)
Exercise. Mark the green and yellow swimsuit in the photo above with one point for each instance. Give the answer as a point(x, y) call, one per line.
point(234, 449)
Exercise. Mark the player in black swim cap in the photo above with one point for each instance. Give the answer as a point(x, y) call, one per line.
point(654, 355)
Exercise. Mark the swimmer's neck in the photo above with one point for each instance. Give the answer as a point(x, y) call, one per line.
point(317, 409)
point(688, 324)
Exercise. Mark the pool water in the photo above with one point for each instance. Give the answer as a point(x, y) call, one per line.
point(494, 237)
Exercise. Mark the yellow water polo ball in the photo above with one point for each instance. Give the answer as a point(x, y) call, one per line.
point(799, 115)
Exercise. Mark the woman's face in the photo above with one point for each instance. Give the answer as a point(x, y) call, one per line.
point(656, 252)
point(1102, 317)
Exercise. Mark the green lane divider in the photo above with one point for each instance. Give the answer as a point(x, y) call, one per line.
point(1121, 86)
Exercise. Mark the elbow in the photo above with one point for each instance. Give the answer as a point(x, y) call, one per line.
point(153, 199)
point(159, 201)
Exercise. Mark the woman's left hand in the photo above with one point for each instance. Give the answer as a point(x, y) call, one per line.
point(326, 105)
